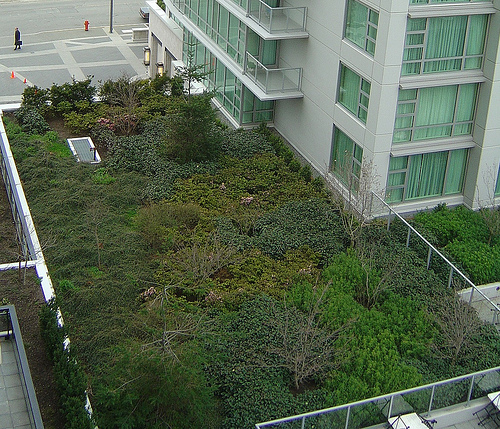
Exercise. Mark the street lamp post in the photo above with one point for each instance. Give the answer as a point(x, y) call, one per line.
point(111, 17)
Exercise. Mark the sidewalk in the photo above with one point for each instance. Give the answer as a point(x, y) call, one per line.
point(59, 56)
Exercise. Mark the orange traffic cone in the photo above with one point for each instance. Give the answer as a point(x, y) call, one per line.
point(12, 75)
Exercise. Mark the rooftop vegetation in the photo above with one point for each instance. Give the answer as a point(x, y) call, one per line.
point(207, 280)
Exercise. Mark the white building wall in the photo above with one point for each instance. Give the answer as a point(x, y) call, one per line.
point(485, 157)
point(308, 123)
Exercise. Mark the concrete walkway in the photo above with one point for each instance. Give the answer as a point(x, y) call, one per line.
point(79, 54)
point(13, 408)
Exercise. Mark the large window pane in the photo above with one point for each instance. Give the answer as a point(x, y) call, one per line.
point(426, 175)
point(435, 112)
point(346, 162)
point(361, 26)
point(441, 44)
point(354, 93)
point(456, 171)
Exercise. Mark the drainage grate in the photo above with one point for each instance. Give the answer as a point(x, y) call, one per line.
point(84, 150)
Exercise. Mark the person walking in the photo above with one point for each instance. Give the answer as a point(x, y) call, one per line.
point(17, 39)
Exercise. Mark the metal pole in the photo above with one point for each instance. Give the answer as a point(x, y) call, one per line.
point(111, 17)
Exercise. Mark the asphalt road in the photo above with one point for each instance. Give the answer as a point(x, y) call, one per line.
point(56, 48)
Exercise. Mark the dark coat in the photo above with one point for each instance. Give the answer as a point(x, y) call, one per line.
point(17, 37)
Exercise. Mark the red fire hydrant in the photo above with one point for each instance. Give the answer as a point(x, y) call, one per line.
point(86, 24)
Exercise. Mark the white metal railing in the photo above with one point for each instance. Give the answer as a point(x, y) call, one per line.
point(376, 411)
point(25, 227)
point(432, 250)
point(14, 331)
point(277, 19)
point(272, 80)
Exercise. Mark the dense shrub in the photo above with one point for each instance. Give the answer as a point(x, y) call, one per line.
point(36, 98)
point(71, 95)
point(32, 122)
point(194, 136)
point(448, 225)
point(243, 144)
point(480, 261)
point(70, 379)
point(314, 223)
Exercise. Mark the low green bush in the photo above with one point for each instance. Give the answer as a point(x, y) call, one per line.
point(31, 121)
point(478, 259)
point(70, 379)
point(313, 223)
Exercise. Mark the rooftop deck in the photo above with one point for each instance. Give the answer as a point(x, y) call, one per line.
point(18, 403)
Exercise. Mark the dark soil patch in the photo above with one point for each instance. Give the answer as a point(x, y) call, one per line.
point(22, 289)
point(57, 125)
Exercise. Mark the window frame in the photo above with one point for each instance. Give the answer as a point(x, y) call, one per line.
point(414, 111)
point(350, 176)
point(406, 170)
point(370, 26)
point(361, 109)
point(464, 59)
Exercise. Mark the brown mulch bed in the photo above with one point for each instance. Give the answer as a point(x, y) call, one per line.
point(26, 295)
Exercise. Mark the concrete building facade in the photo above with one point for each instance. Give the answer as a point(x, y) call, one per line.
point(409, 87)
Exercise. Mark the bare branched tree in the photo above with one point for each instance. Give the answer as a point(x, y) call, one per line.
point(175, 326)
point(458, 324)
point(204, 260)
point(369, 255)
point(307, 349)
point(351, 190)
point(97, 213)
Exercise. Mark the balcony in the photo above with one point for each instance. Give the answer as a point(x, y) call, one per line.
point(277, 19)
point(457, 403)
point(18, 403)
point(270, 81)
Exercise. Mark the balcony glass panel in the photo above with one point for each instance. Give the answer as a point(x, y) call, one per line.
point(272, 80)
point(277, 19)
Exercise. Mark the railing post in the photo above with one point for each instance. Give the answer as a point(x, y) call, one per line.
point(429, 254)
point(390, 407)
point(431, 399)
point(408, 238)
point(451, 277)
point(389, 220)
point(347, 417)
point(470, 390)
point(471, 293)
point(303, 422)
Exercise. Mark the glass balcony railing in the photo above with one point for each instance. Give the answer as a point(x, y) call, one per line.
point(377, 411)
point(277, 19)
point(272, 80)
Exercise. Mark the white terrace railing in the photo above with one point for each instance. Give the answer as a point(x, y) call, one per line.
point(277, 19)
point(377, 411)
point(27, 236)
point(272, 80)
point(431, 250)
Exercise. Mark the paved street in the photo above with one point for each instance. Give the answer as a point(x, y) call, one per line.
point(56, 47)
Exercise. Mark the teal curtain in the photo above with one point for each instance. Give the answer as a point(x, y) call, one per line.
point(355, 28)
point(475, 41)
point(268, 54)
point(497, 186)
point(445, 39)
point(426, 175)
point(436, 106)
point(414, 43)
point(466, 107)
point(342, 150)
point(456, 171)
point(349, 89)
